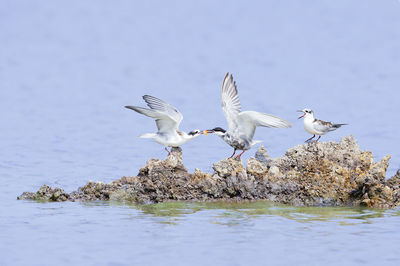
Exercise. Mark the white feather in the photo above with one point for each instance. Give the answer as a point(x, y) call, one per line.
point(167, 119)
point(148, 136)
point(230, 100)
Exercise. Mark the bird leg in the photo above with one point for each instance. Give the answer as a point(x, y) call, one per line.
point(176, 149)
point(169, 153)
point(315, 141)
point(234, 151)
point(310, 139)
point(238, 157)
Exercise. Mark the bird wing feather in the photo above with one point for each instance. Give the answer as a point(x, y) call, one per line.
point(230, 101)
point(323, 126)
point(163, 107)
point(164, 122)
point(249, 120)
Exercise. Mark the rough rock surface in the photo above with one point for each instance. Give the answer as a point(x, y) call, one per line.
point(312, 174)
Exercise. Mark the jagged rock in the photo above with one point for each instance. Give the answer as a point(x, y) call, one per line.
point(394, 181)
point(46, 193)
point(262, 155)
point(393, 184)
point(229, 167)
point(257, 168)
point(313, 174)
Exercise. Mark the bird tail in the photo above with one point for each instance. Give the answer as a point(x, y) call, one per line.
point(338, 125)
point(147, 135)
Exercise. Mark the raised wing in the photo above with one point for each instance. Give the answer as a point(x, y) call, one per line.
point(164, 123)
point(249, 120)
point(161, 106)
point(230, 101)
point(167, 117)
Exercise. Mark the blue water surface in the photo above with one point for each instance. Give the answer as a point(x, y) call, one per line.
point(67, 68)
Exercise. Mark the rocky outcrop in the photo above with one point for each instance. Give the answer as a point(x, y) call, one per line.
point(394, 187)
point(46, 193)
point(312, 174)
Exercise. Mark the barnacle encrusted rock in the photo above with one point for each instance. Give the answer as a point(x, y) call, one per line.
point(312, 174)
point(46, 193)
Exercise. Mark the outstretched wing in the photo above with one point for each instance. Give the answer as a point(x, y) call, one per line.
point(249, 120)
point(230, 101)
point(167, 117)
point(161, 106)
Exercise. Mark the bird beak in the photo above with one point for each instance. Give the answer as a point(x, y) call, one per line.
point(205, 132)
point(302, 115)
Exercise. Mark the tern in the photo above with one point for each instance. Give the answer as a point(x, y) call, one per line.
point(315, 126)
point(167, 119)
point(242, 125)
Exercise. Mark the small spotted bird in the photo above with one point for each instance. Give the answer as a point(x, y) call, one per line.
point(315, 126)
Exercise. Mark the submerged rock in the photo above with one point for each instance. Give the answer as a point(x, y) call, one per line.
point(312, 174)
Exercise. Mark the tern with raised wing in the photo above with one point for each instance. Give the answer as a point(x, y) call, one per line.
point(315, 126)
point(242, 125)
point(167, 119)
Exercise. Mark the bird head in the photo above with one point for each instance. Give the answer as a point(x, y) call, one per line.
point(306, 112)
point(195, 133)
point(217, 130)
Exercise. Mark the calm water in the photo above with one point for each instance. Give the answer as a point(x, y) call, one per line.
point(67, 68)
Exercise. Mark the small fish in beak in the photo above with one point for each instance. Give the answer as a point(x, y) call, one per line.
point(205, 132)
